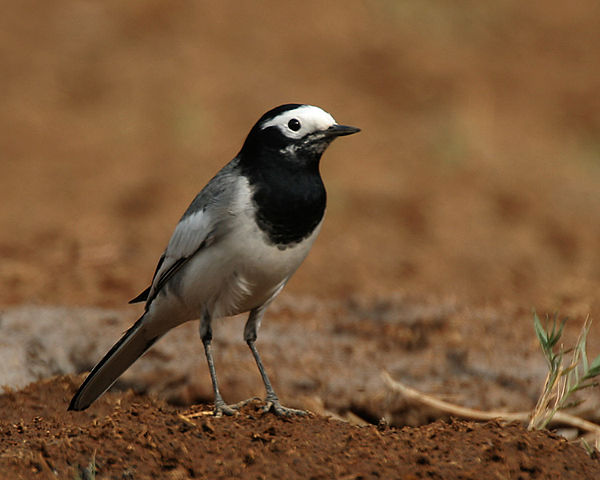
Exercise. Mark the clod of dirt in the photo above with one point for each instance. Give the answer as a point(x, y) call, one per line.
point(129, 436)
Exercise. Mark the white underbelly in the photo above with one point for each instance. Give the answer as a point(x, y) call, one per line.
point(239, 273)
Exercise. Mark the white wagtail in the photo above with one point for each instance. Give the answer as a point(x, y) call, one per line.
point(236, 246)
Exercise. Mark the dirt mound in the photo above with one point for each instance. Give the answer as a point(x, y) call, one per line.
point(129, 436)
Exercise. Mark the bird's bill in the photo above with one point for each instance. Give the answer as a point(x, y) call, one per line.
point(341, 130)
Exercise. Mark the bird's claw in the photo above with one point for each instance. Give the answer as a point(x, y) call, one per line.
point(277, 408)
point(221, 408)
point(271, 405)
point(224, 409)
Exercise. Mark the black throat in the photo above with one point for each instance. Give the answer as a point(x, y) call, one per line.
point(288, 193)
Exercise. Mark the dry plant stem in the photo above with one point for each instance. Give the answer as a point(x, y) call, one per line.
point(559, 417)
point(553, 391)
point(561, 381)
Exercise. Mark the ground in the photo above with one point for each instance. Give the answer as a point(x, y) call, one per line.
point(126, 436)
point(469, 198)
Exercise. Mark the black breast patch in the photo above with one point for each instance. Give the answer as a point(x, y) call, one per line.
point(290, 203)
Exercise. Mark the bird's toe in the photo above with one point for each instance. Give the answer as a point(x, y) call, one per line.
point(278, 409)
point(221, 408)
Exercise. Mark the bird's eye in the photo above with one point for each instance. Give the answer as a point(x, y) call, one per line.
point(294, 124)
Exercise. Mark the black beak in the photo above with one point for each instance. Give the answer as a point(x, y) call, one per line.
point(341, 130)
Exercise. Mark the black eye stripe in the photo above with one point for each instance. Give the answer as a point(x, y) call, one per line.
point(294, 124)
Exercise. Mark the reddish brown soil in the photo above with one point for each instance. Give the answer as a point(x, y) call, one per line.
point(136, 437)
point(475, 179)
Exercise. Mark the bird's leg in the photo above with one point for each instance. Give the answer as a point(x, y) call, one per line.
point(250, 335)
point(221, 408)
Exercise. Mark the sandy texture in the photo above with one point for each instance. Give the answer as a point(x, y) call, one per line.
point(133, 437)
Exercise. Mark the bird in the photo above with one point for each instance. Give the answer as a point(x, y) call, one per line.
point(235, 247)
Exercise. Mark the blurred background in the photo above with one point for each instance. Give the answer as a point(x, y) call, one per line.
point(476, 176)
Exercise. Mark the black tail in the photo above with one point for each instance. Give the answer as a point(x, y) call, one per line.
point(120, 357)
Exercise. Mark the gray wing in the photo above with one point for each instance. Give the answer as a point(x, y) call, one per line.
point(202, 224)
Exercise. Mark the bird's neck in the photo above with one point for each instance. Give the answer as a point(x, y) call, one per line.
point(289, 196)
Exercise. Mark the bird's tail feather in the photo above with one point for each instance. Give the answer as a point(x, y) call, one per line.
point(120, 357)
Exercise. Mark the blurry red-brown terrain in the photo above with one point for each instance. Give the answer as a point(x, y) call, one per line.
point(470, 198)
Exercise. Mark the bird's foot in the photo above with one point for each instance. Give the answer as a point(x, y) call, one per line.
point(273, 405)
point(221, 408)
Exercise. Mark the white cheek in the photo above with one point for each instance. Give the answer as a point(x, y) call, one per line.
point(311, 118)
point(289, 133)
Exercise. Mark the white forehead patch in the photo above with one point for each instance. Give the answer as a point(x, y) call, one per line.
point(312, 119)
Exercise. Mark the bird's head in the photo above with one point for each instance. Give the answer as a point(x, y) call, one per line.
point(294, 131)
